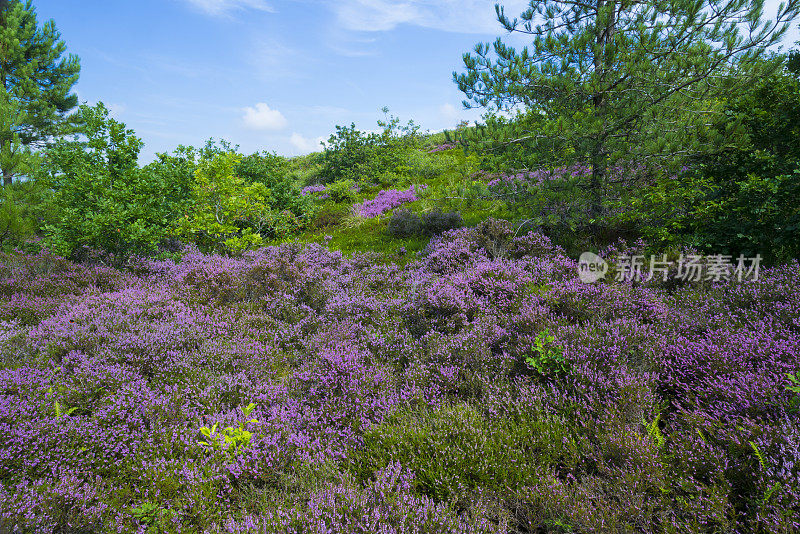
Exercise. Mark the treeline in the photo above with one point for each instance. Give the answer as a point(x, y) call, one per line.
point(89, 193)
point(736, 191)
point(682, 117)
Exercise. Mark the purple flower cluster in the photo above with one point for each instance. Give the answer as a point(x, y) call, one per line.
point(394, 400)
point(540, 176)
point(442, 147)
point(386, 200)
point(312, 189)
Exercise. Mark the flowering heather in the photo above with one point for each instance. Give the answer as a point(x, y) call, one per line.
point(540, 176)
point(312, 189)
point(394, 399)
point(386, 200)
point(442, 147)
point(522, 180)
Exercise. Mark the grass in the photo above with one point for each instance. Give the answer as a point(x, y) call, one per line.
point(446, 174)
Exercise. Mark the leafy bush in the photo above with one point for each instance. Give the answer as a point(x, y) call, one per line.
point(105, 200)
point(265, 167)
point(273, 171)
point(227, 214)
point(342, 191)
point(546, 358)
point(751, 214)
point(230, 440)
point(153, 517)
point(405, 223)
point(351, 154)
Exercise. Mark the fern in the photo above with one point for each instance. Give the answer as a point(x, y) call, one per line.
point(654, 432)
point(760, 456)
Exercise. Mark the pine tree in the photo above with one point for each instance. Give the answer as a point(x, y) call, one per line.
point(622, 79)
point(36, 81)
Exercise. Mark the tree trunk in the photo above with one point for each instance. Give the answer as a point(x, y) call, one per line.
point(601, 65)
point(8, 177)
point(597, 182)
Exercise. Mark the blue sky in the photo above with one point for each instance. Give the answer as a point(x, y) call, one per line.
point(273, 75)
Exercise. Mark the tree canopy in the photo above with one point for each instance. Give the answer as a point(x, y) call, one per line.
point(623, 79)
point(37, 79)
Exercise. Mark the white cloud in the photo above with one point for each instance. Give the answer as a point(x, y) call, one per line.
point(376, 15)
point(223, 7)
point(116, 110)
point(274, 60)
point(305, 145)
point(350, 44)
point(448, 112)
point(261, 117)
point(461, 16)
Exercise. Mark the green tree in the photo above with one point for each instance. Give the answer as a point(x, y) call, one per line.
point(226, 213)
point(351, 154)
point(750, 205)
point(36, 78)
point(623, 79)
point(105, 201)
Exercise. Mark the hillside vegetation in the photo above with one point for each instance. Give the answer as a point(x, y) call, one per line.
point(397, 334)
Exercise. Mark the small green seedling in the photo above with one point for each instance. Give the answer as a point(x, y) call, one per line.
point(232, 440)
point(152, 516)
point(59, 410)
point(547, 358)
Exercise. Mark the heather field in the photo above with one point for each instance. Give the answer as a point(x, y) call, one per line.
point(565, 302)
point(481, 387)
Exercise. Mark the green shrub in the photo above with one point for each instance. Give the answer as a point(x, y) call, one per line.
point(546, 358)
point(342, 191)
point(348, 154)
point(230, 440)
point(153, 517)
point(351, 154)
point(226, 214)
point(752, 214)
point(265, 167)
point(105, 200)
